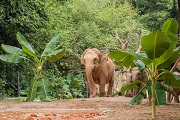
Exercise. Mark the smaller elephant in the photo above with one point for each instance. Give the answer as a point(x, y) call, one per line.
point(141, 75)
point(133, 74)
point(175, 90)
point(128, 78)
point(99, 70)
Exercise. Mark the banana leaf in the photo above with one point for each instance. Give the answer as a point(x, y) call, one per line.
point(160, 92)
point(138, 98)
point(13, 50)
point(53, 51)
point(25, 45)
point(170, 79)
point(140, 64)
point(56, 55)
point(129, 86)
point(12, 58)
point(155, 44)
point(172, 59)
point(52, 45)
point(32, 91)
point(44, 88)
point(123, 58)
point(170, 25)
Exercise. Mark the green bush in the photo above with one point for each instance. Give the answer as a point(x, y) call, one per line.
point(69, 87)
point(2, 87)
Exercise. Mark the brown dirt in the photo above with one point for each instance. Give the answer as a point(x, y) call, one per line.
point(99, 108)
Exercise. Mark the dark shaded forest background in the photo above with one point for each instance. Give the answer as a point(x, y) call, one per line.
point(88, 23)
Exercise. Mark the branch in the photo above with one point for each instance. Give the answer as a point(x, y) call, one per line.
point(174, 66)
point(122, 45)
point(140, 47)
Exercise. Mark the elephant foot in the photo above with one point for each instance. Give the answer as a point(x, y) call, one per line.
point(108, 95)
point(102, 95)
point(176, 100)
point(91, 96)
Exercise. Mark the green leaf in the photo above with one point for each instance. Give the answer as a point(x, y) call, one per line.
point(138, 98)
point(51, 46)
point(160, 92)
point(123, 58)
point(129, 86)
point(140, 64)
point(53, 51)
point(13, 50)
point(44, 87)
point(172, 59)
point(168, 53)
point(170, 25)
point(155, 44)
point(25, 45)
point(69, 95)
point(32, 91)
point(56, 55)
point(12, 58)
point(170, 79)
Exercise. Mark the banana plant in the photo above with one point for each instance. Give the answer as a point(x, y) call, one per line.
point(159, 52)
point(53, 51)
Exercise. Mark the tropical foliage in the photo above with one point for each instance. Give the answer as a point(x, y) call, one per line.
point(88, 23)
point(52, 52)
point(157, 47)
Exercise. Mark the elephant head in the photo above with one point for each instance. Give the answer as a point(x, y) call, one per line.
point(96, 65)
point(137, 74)
point(93, 58)
point(133, 74)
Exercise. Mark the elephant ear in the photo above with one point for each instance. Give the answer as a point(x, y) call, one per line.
point(82, 56)
point(103, 58)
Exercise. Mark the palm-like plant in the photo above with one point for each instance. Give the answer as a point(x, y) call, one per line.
point(159, 52)
point(52, 52)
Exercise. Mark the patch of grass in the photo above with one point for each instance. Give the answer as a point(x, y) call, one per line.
point(13, 100)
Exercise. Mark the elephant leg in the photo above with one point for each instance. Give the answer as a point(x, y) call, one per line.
point(92, 88)
point(102, 90)
point(129, 93)
point(135, 91)
point(109, 93)
point(176, 99)
point(102, 87)
point(168, 97)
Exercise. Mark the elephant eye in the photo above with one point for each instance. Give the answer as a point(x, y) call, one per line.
point(95, 60)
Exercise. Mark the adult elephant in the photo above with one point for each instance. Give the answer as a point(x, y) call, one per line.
point(99, 70)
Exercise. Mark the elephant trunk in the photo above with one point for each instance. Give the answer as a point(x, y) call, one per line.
point(90, 80)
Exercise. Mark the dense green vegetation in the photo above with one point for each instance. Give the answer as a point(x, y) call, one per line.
point(154, 59)
point(87, 23)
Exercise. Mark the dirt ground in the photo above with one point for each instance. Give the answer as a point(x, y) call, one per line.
point(99, 108)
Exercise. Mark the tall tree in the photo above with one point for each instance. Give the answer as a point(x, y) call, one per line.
point(154, 12)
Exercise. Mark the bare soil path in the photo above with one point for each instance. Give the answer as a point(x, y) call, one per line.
point(99, 108)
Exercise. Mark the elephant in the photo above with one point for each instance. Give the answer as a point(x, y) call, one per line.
point(141, 75)
point(100, 70)
point(128, 78)
point(133, 74)
point(175, 90)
